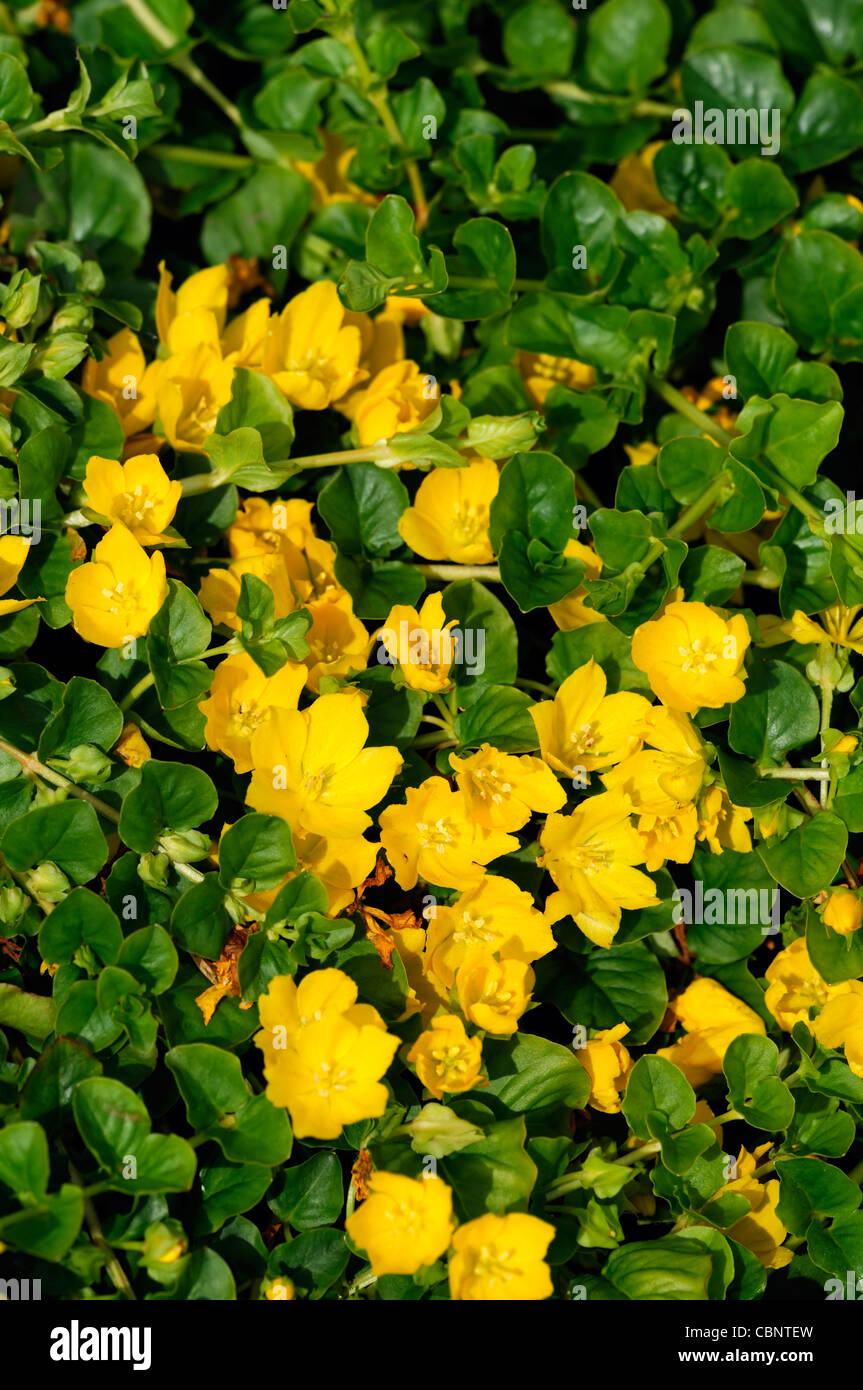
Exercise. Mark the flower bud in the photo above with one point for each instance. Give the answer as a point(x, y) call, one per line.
point(185, 846)
point(13, 904)
point(153, 870)
point(47, 882)
point(85, 763)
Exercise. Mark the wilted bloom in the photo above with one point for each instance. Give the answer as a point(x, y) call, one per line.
point(312, 354)
point(692, 656)
point(312, 767)
point(497, 916)
point(123, 381)
point(115, 596)
point(608, 1064)
point(502, 790)
point(399, 398)
point(138, 493)
point(794, 986)
point(591, 856)
point(242, 699)
point(420, 643)
point(843, 910)
point(582, 728)
point(446, 1059)
point(433, 836)
point(634, 182)
point(404, 1223)
point(501, 1258)
point(713, 1018)
point(494, 994)
point(449, 516)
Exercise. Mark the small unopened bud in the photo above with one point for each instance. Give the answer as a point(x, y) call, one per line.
point(185, 846)
point(278, 1289)
point(13, 904)
point(85, 763)
point(153, 870)
point(47, 882)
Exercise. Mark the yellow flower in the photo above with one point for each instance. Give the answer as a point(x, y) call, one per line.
point(132, 747)
point(447, 1061)
point(138, 493)
point(760, 1230)
point(179, 313)
point(839, 625)
point(123, 381)
point(608, 1064)
point(840, 1024)
point(582, 728)
point(634, 182)
point(262, 527)
point(399, 398)
point(329, 174)
point(192, 387)
point(494, 994)
point(641, 454)
point(220, 588)
point(312, 767)
point(540, 372)
point(449, 517)
point(420, 643)
point(794, 986)
point(843, 911)
point(501, 1258)
point(245, 338)
point(279, 1290)
point(115, 596)
point(713, 1018)
point(341, 863)
point(571, 612)
point(670, 836)
point(324, 1054)
point(503, 791)
point(591, 856)
point(665, 776)
point(404, 1224)
point(498, 917)
point(338, 642)
point(433, 836)
point(311, 354)
point(722, 824)
point(242, 699)
point(13, 552)
point(692, 656)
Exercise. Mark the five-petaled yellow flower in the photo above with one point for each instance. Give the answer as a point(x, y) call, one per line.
point(449, 516)
point(123, 381)
point(312, 353)
point(608, 1064)
point(115, 596)
point(582, 728)
point(138, 493)
point(433, 836)
point(242, 699)
point(421, 643)
point(447, 1061)
point(501, 1258)
point(692, 656)
point(404, 1223)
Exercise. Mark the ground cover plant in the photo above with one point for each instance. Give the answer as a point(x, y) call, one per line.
point(431, 635)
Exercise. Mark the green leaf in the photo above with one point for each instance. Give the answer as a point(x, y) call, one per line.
point(826, 125)
point(170, 796)
point(778, 712)
point(657, 1086)
point(627, 44)
point(247, 1128)
point(265, 211)
point(66, 834)
point(228, 1189)
point(178, 633)
point(361, 505)
point(528, 1073)
point(310, 1194)
point(758, 195)
point(807, 860)
point(818, 284)
point(754, 1088)
point(257, 850)
point(539, 40)
point(200, 922)
point(661, 1270)
point(811, 1188)
point(81, 919)
point(25, 1165)
point(580, 211)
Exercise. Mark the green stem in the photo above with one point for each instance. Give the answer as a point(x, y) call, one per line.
point(714, 491)
point(33, 766)
point(182, 62)
point(137, 691)
point(211, 159)
point(690, 412)
point(570, 91)
point(826, 707)
point(543, 689)
point(796, 774)
point(486, 282)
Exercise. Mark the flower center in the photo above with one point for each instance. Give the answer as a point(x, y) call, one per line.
point(437, 836)
point(697, 658)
